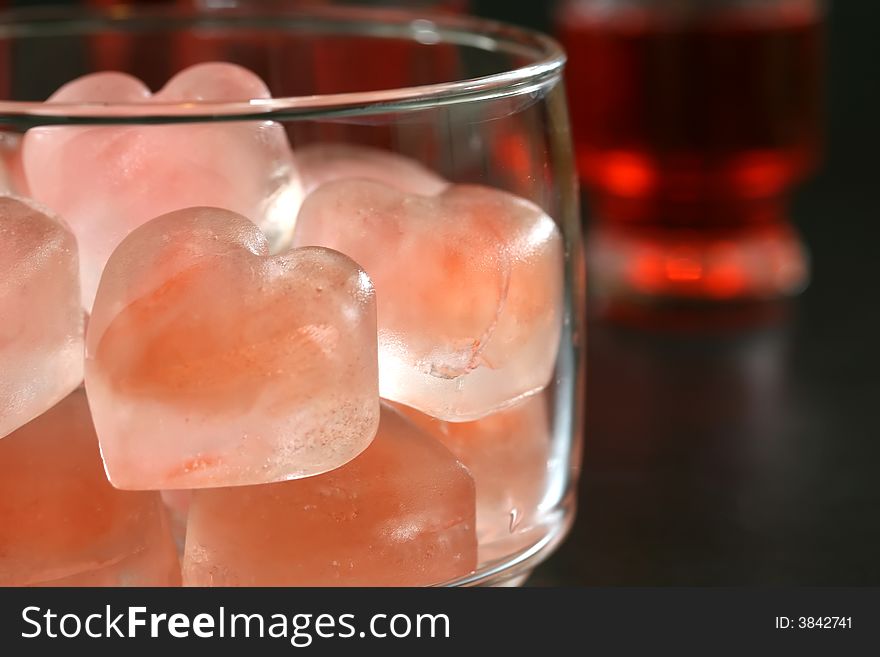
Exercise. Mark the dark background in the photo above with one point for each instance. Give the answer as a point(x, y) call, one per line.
point(750, 456)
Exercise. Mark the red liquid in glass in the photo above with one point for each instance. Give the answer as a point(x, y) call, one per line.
point(690, 127)
point(703, 118)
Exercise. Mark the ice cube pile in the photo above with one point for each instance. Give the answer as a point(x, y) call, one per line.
point(315, 366)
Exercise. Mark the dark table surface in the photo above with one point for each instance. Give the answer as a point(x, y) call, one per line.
point(751, 456)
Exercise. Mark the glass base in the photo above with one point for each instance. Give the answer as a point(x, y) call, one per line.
point(515, 568)
point(635, 269)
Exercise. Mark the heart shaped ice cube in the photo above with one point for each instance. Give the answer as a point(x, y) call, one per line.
point(106, 181)
point(469, 286)
point(210, 363)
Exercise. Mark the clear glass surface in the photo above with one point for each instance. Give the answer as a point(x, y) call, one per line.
point(473, 101)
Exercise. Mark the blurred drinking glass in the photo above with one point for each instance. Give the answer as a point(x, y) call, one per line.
point(693, 120)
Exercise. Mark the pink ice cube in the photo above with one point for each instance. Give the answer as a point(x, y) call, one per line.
point(107, 180)
point(210, 363)
point(400, 514)
point(63, 524)
point(319, 163)
point(322, 163)
point(508, 455)
point(469, 286)
point(41, 336)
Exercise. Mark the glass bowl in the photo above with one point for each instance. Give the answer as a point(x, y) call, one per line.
point(472, 101)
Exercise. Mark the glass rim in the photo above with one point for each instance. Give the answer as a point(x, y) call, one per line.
point(546, 56)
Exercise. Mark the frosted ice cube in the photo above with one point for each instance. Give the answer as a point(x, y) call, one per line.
point(508, 455)
point(210, 363)
point(322, 163)
point(63, 524)
point(41, 336)
point(469, 286)
point(107, 180)
point(400, 514)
